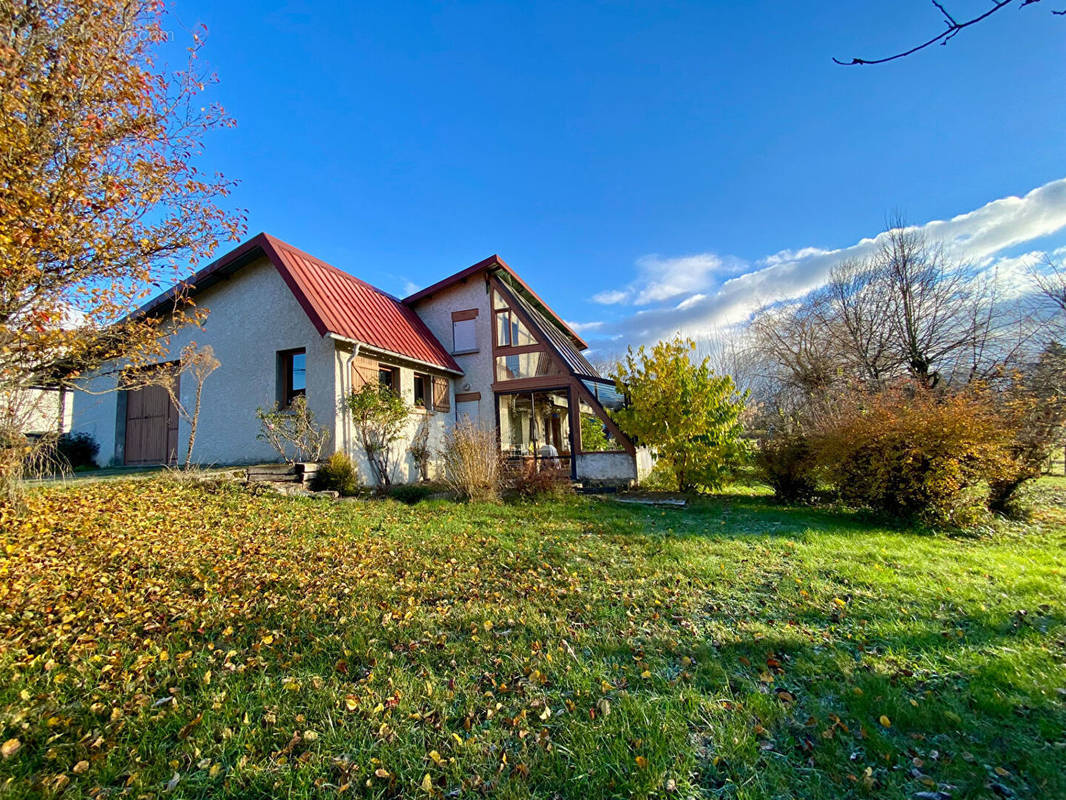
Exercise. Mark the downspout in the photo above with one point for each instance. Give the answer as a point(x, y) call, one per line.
point(347, 379)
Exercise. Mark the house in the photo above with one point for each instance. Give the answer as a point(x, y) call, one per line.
point(39, 410)
point(480, 345)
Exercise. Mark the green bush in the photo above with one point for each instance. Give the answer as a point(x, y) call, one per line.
point(787, 464)
point(410, 493)
point(337, 474)
point(660, 479)
point(79, 450)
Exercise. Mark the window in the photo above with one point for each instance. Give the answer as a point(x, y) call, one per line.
point(533, 364)
point(464, 331)
point(536, 425)
point(423, 388)
point(605, 393)
point(389, 377)
point(510, 332)
point(292, 373)
point(595, 435)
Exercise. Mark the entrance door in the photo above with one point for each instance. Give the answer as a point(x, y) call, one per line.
point(151, 427)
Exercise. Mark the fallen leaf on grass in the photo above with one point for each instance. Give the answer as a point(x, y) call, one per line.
point(187, 729)
point(10, 747)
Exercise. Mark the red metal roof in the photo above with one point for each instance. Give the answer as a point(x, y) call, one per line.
point(335, 301)
point(494, 262)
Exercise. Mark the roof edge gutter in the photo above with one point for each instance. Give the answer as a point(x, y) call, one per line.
point(364, 346)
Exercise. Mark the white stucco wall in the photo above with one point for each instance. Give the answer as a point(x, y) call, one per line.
point(38, 411)
point(615, 468)
point(478, 368)
point(645, 463)
point(438, 422)
point(252, 316)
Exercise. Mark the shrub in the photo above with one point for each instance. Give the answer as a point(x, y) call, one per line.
point(1033, 408)
point(411, 493)
point(79, 450)
point(529, 479)
point(683, 411)
point(379, 415)
point(292, 431)
point(337, 474)
point(787, 464)
point(914, 454)
point(472, 461)
point(660, 479)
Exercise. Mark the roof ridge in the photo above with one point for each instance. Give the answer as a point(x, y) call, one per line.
point(274, 240)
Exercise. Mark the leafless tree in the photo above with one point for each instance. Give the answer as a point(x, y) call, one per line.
point(953, 27)
point(1050, 281)
point(860, 315)
point(798, 349)
point(935, 313)
point(908, 311)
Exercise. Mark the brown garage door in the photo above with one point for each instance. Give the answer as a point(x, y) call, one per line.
point(151, 427)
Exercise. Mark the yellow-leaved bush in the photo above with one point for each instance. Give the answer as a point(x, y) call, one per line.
point(915, 453)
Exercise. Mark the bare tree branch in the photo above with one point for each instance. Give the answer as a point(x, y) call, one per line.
point(954, 27)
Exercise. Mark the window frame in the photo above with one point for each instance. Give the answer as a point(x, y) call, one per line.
point(468, 316)
point(394, 379)
point(286, 371)
point(426, 382)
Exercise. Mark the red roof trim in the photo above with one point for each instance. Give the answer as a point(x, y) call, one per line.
point(493, 261)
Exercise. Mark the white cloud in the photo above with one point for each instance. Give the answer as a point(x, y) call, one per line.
point(610, 297)
point(662, 279)
point(697, 293)
point(584, 327)
point(1013, 276)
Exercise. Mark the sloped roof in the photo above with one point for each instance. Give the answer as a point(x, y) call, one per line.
point(335, 301)
point(494, 262)
point(559, 342)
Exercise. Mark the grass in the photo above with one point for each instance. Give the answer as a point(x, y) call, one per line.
point(207, 643)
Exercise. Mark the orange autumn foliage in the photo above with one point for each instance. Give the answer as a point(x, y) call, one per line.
point(915, 453)
point(101, 198)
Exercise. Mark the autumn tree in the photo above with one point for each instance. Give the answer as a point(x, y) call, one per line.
point(101, 198)
point(685, 413)
point(1032, 406)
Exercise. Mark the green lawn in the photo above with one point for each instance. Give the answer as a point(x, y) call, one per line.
point(157, 636)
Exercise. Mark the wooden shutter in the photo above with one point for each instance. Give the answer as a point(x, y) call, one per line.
point(441, 395)
point(364, 371)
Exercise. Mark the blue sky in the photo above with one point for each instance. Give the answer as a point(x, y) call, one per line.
point(601, 147)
